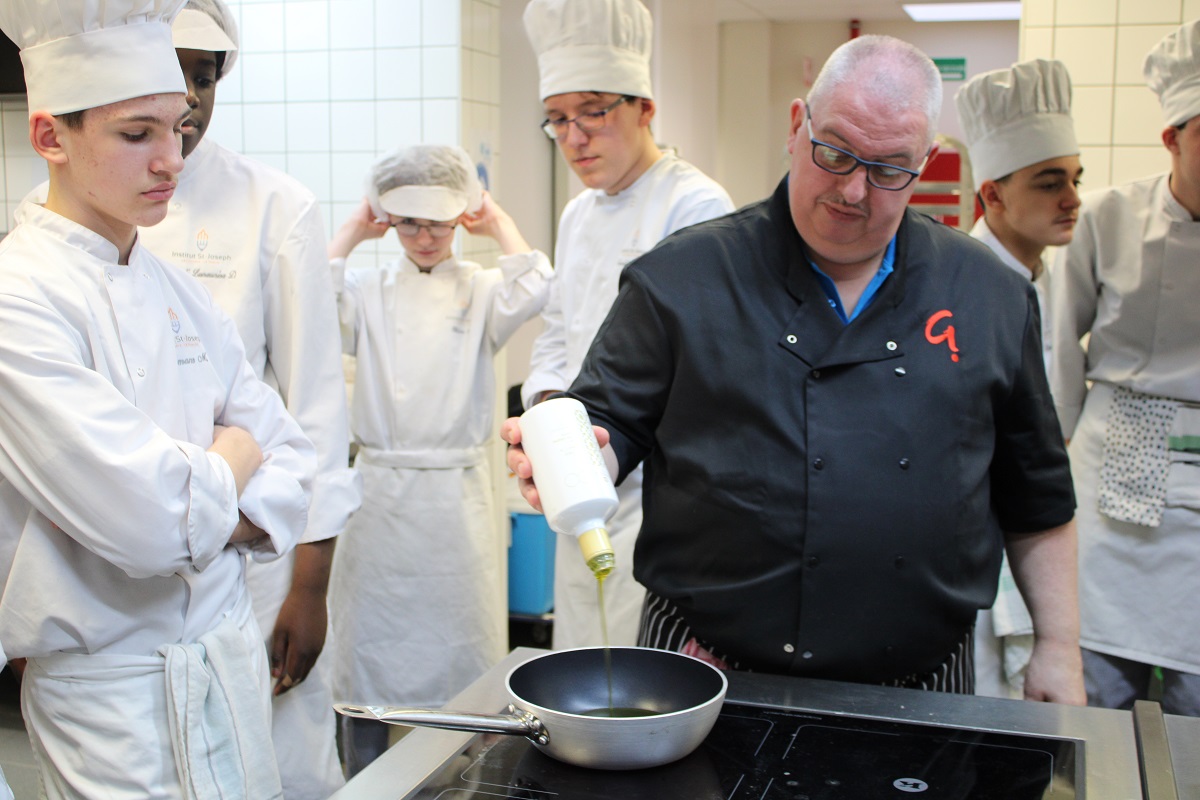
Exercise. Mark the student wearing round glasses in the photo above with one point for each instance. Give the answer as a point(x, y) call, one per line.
point(417, 594)
point(594, 82)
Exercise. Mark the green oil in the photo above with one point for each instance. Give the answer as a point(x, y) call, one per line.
point(620, 712)
point(610, 710)
point(604, 634)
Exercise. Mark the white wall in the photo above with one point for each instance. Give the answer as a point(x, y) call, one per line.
point(788, 56)
point(1103, 43)
point(685, 70)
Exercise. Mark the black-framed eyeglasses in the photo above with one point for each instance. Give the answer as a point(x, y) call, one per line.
point(588, 122)
point(888, 177)
point(438, 230)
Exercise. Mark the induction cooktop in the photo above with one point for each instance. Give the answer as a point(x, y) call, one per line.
point(760, 753)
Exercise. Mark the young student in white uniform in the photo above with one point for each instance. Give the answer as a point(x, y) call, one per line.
point(594, 68)
point(1131, 280)
point(255, 238)
point(140, 453)
point(1025, 163)
point(418, 593)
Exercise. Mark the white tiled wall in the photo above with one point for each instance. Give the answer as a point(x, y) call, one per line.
point(321, 87)
point(22, 167)
point(1103, 43)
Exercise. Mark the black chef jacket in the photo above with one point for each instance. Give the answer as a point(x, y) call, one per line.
point(826, 499)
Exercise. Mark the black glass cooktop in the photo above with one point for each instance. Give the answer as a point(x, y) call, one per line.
point(756, 753)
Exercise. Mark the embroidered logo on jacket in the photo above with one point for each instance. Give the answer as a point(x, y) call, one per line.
point(171, 315)
point(202, 240)
point(946, 335)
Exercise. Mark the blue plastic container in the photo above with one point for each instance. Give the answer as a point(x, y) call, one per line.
point(531, 565)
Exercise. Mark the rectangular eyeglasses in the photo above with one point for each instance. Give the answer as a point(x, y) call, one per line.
point(888, 177)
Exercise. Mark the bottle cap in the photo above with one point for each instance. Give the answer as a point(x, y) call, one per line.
point(597, 551)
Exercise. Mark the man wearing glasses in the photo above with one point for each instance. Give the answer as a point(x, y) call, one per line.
point(843, 413)
point(594, 68)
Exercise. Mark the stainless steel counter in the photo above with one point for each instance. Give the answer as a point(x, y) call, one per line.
point(1108, 768)
point(1183, 738)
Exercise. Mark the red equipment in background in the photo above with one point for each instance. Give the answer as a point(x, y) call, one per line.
point(945, 190)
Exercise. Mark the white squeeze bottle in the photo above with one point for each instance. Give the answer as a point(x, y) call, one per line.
point(577, 492)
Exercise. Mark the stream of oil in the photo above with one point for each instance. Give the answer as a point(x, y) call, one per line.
point(610, 710)
point(604, 633)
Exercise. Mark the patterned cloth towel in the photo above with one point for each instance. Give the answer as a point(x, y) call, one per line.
point(1133, 475)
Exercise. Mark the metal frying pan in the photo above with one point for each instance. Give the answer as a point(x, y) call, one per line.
point(552, 695)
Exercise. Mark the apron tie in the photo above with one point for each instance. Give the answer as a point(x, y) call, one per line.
point(442, 458)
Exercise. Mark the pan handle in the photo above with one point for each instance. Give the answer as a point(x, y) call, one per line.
point(514, 721)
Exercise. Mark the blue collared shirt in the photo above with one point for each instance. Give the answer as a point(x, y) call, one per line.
point(868, 295)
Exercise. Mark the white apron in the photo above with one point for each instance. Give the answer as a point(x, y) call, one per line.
point(155, 746)
point(417, 593)
point(1130, 280)
point(1134, 580)
point(425, 614)
point(598, 235)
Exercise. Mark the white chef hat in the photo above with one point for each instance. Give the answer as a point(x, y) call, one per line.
point(591, 46)
point(1012, 118)
point(81, 54)
point(1172, 71)
point(424, 181)
point(207, 25)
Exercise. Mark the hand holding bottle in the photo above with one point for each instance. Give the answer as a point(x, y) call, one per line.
point(576, 491)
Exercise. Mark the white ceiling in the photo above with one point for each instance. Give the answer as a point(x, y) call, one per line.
point(799, 10)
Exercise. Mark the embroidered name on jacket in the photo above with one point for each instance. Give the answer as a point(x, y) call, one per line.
point(946, 334)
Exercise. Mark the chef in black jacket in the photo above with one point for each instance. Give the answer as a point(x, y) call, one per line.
point(843, 413)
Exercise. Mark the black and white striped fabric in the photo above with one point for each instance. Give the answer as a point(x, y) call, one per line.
point(664, 628)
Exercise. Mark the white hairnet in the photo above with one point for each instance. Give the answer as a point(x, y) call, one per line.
point(219, 13)
point(424, 181)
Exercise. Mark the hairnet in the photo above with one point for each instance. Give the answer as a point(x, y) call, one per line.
point(218, 12)
point(424, 181)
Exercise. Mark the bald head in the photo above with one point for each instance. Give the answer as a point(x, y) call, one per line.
point(889, 70)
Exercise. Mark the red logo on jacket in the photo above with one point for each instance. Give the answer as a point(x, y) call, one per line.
point(947, 334)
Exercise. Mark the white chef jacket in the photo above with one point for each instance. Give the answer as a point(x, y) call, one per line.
point(983, 233)
point(113, 377)
point(598, 235)
point(424, 344)
point(1130, 279)
point(417, 590)
point(255, 238)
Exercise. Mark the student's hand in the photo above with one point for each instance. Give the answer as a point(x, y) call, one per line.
point(299, 634)
point(240, 452)
point(519, 463)
point(493, 221)
point(360, 227)
point(245, 531)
